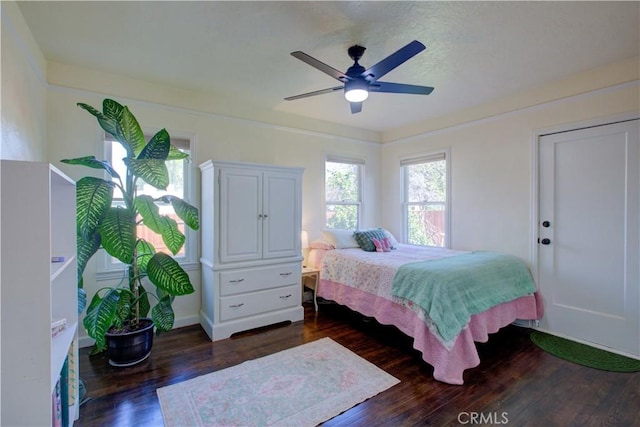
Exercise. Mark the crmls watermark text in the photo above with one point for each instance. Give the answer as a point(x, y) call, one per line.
point(483, 418)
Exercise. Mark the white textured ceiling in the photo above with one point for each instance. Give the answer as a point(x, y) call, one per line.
point(476, 51)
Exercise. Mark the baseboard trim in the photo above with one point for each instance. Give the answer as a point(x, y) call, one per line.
point(86, 341)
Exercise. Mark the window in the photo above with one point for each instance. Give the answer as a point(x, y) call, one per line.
point(343, 193)
point(425, 207)
point(179, 186)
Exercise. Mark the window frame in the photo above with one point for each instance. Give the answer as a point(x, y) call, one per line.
point(360, 164)
point(108, 268)
point(433, 156)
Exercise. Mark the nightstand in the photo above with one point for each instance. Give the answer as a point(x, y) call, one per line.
point(310, 278)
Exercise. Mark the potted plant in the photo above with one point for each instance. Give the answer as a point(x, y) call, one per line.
point(116, 313)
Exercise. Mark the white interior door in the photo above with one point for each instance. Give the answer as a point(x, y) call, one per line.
point(588, 256)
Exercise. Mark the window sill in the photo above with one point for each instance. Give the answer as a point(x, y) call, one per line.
point(104, 275)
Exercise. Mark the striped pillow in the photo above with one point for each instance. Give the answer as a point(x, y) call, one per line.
point(365, 238)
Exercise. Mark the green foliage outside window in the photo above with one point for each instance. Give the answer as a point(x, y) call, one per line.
point(344, 217)
point(342, 195)
point(427, 182)
point(426, 201)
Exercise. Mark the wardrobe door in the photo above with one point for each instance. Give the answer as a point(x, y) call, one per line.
point(241, 217)
point(282, 206)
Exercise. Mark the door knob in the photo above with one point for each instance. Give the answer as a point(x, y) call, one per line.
point(545, 241)
point(546, 224)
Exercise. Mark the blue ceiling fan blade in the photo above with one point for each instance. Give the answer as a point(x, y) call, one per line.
point(392, 61)
point(317, 92)
point(400, 88)
point(338, 75)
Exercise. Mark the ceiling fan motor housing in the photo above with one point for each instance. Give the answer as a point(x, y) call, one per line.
point(355, 71)
point(355, 52)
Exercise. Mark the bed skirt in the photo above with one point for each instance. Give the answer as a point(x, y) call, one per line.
point(448, 365)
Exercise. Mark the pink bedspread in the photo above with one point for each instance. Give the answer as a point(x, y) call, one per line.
point(449, 360)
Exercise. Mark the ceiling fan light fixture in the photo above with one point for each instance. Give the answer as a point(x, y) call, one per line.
point(356, 90)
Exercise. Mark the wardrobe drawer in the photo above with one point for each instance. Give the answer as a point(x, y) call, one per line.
point(255, 279)
point(233, 307)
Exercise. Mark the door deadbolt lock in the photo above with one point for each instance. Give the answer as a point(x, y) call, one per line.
point(546, 224)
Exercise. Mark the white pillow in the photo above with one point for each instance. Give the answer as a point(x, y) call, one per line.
point(340, 239)
point(394, 242)
point(321, 244)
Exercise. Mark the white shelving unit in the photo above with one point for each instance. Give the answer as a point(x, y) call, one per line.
point(38, 222)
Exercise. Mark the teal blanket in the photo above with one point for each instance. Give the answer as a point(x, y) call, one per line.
point(451, 290)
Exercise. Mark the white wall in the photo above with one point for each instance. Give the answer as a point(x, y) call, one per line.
point(23, 90)
point(491, 165)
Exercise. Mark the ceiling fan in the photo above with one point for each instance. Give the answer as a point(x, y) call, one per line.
point(358, 82)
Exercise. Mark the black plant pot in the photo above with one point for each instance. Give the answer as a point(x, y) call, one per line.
point(129, 348)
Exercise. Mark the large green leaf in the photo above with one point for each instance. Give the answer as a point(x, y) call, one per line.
point(82, 299)
point(164, 272)
point(92, 162)
point(144, 252)
point(90, 109)
point(112, 109)
point(162, 315)
point(176, 154)
point(171, 234)
point(161, 293)
point(131, 131)
point(157, 147)
point(86, 247)
point(93, 199)
point(108, 123)
point(123, 309)
point(152, 171)
point(143, 301)
point(149, 211)
point(186, 212)
point(118, 232)
point(100, 315)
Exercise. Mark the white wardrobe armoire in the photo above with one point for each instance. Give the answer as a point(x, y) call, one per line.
point(251, 249)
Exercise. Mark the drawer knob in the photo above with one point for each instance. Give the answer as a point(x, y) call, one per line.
point(236, 305)
point(236, 281)
point(285, 296)
point(286, 274)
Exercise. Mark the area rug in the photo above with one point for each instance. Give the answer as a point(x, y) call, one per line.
point(301, 386)
point(583, 354)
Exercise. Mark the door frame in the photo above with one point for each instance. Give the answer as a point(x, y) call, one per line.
point(537, 134)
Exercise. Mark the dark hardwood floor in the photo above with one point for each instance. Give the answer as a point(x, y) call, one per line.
point(516, 383)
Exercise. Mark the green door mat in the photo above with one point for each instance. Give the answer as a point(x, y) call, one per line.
point(583, 354)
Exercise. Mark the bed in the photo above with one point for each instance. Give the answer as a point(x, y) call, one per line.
point(389, 287)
